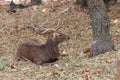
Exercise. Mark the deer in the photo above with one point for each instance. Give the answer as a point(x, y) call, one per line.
point(41, 53)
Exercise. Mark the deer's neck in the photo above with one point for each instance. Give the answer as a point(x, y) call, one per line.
point(52, 48)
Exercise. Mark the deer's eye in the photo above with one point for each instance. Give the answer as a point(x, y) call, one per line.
point(60, 35)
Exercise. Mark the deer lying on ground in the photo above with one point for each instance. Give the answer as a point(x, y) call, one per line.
point(42, 53)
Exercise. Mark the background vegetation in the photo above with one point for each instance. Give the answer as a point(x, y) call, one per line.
point(74, 64)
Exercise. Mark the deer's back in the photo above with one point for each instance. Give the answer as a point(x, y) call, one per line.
point(30, 49)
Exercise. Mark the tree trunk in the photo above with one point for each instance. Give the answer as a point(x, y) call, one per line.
point(102, 41)
point(118, 1)
point(35, 2)
point(83, 3)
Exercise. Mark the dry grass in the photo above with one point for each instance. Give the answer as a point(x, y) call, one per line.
point(74, 66)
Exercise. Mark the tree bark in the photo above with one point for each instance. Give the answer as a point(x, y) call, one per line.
point(83, 3)
point(118, 1)
point(102, 41)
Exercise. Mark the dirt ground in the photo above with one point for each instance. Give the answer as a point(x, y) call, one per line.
point(74, 65)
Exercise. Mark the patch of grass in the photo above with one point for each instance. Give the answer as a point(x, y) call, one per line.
point(74, 66)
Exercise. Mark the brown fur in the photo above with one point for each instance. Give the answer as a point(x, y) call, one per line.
point(42, 53)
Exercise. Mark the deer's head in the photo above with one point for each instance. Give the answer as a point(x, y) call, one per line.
point(52, 33)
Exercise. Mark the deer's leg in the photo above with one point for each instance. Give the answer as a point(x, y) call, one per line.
point(38, 61)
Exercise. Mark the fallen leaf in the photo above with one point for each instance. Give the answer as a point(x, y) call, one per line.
point(45, 10)
point(35, 8)
point(89, 73)
point(56, 65)
point(86, 50)
point(108, 61)
point(64, 53)
point(115, 21)
point(114, 37)
point(50, 73)
point(118, 30)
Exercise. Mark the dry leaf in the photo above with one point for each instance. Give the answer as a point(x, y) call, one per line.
point(13, 66)
point(114, 37)
point(91, 72)
point(45, 10)
point(118, 30)
point(108, 61)
point(115, 21)
point(64, 53)
point(56, 65)
point(86, 50)
point(50, 73)
point(66, 64)
point(35, 8)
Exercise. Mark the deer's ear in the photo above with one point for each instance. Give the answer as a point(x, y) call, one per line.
point(54, 35)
